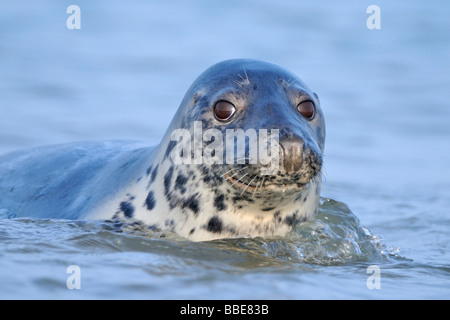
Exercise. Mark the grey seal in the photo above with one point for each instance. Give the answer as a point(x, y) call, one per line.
point(197, 199)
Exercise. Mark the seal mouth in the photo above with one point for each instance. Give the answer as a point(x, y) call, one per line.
point(256, 186)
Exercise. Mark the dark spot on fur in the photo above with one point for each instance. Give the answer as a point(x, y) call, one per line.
point(168, 181)
point(150, 202)
point(242, 197)
point(126, 164)
point(195, 98)
point(149, 170)
point(291, 220)
point(192, 203)
point(277, 216)
point(211, 177)
point(204, 170)
point(219, 202)
point(172, 203)
point(214, 225)
point(268, 209)
point(191, 174)
point(154, 173)
point(180, 183)
point(169, 222)
point(127, 209)
point(192, 231)
point(169, 149)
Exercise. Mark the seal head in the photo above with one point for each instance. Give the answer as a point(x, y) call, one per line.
point(243, 154)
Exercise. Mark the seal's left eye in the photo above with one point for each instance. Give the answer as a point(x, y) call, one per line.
point(224, 110)
point(307, 109)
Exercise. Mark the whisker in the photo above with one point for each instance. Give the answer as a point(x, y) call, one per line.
point(237, 170)
point(261, 184)
point(323, 174)
point(239, 179)
point(233, 177)
point(246, 77)
point(287, 83)
point(238, 83)
point(245, 81)
point(229, 171)
point(248, 185)
point(290, 82)
point(256, 188)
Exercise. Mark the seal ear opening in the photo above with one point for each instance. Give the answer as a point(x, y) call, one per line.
point(317, 97)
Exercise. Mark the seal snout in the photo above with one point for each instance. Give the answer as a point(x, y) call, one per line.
point(291, 154)
point(299, 161)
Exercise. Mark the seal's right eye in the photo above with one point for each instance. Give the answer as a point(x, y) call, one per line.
point(224, 110)
point(307, 109)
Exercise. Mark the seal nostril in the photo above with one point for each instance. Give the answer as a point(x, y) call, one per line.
point(292, 157)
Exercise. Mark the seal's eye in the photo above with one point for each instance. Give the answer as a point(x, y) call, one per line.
point(307, 109)
point(224, 110)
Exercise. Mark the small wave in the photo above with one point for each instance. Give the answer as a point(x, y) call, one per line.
point(334, 237)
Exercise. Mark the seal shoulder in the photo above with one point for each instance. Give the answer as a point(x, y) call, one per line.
point(67, 181)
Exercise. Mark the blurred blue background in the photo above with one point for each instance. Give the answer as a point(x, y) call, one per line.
point(385, 93)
